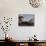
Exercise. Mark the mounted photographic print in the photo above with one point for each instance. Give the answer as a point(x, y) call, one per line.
point(26, 20)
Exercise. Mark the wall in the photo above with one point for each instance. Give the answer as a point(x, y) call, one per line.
point(11, 8)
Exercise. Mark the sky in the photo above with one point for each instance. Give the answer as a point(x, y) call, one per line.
point(27, 17)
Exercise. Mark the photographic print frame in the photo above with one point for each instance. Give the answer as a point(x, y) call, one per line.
point(26, 19)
